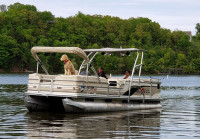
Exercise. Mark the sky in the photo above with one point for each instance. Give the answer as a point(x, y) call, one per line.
point(171, 14)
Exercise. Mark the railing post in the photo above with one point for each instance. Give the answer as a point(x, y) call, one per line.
point(51, 85)
point(119, 91)
point(150, 86)
point(108, 90)
point(37, 67)
point(87, 77)
point(39, 85)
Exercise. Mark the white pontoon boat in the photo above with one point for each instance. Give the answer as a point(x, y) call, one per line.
point(84, 93)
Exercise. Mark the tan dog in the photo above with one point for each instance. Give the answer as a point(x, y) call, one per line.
point(69, 67)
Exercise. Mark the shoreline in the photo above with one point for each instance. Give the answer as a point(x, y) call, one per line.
point(146, 74)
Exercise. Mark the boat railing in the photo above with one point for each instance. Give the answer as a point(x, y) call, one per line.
point(48, 82)
point(112, 87)
point(85, 87)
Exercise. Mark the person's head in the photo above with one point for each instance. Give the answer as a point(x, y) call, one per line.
point(127, 73)
point(100, 70)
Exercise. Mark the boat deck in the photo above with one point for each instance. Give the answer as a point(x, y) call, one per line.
point(84, 95)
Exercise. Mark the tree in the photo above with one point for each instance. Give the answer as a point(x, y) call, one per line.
point(4, 58)
point(181, 60)
point(197, 28)
point(3, 8)
point(23, 26)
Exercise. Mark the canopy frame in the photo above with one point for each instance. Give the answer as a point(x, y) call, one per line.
point(42, 49)
point(121, 51)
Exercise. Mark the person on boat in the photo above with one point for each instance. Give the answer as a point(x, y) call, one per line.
point(101, 73)
point(127, 74)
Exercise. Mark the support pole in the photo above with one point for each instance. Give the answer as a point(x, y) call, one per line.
point(132, 76)
point(141, 62)
point(37, 67)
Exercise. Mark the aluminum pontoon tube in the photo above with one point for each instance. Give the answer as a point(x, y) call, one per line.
point(76, 107)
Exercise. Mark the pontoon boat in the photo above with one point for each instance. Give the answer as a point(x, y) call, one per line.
point(90, 93)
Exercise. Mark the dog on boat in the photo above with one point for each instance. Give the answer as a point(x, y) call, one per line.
point(68, 67)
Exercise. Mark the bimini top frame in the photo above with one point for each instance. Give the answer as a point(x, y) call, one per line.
point(94, 52)
point(73, 50)
point(115, 50)
point(42, 49)
point(119, 50)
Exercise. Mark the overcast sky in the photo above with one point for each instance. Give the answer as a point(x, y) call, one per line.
point(172, 14)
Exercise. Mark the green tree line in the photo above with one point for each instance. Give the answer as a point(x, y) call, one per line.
point(23, 26)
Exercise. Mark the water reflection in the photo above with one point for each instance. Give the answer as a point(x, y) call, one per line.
point(104, 125)
point(12, 110)
point(181, 112)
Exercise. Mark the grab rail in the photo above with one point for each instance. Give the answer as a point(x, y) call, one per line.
point(84, 85)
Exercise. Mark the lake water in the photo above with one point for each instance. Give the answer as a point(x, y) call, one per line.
point(179, 117)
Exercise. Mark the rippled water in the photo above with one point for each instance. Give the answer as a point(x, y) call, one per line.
point(178, 118)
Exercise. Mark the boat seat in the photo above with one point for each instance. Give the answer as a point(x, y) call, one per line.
point(116, 82)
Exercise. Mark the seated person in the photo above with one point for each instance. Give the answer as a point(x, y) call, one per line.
point(101, 73)
point(127, 74)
